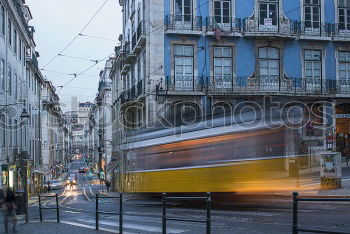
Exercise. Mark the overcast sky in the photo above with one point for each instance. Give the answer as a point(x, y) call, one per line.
point(56, 23)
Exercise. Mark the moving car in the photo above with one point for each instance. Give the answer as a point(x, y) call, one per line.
point(71, 181)
point(82, 170)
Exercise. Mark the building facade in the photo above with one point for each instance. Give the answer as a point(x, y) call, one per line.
point(194, 58)
point(21, 87)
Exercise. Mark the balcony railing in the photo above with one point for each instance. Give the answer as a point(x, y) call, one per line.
point(134, 92)
point(276, 85)
point(184, 83)
point(315, 29)
point(280, 26)
point(127, 48)
point(139, 34)
point(229, 25)
point(183, 22)
point(341, 30)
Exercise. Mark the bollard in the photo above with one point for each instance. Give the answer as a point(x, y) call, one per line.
point(164, 213)
point(120, 213)
point(208, 205)
point(40, 211)
point(57, 209)
point(96, 211)
point(295, 213)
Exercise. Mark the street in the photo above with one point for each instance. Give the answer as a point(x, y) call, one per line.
point(236, 214)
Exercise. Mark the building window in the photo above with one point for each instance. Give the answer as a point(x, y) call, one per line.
point(3, 20)
point(222, 11)
point(223, 67)
point(10, 32)
point(183, 10)
point(268, 12)
point(15, 130)
point(344, 14)
point(3, 125)
point(344, 65)
point(312, 14)
point(269, 60)
point(9, 87)
point(2, 74)
point(15, 41)
point(20, 49)
point(183, 56)
point(312, 64)
point(10, 129)
point(15, 86)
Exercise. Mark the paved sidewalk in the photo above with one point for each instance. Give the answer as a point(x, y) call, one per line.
point(53, 228)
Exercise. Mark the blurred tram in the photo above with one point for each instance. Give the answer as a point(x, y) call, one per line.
point(219, 155)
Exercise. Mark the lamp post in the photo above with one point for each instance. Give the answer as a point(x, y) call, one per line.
point(24, 117)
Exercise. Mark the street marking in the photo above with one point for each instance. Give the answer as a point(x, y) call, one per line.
point(141, 227)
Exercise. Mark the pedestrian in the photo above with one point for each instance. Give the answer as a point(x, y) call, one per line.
point(48, 186)
point(2, 202)
point(108, 185)
point(10, 211)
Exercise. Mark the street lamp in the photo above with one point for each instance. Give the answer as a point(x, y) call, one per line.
point(24, 115)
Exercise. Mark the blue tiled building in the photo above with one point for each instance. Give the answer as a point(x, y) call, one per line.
point(214, 54)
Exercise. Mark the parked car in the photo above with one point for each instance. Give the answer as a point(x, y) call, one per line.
point(55, 184)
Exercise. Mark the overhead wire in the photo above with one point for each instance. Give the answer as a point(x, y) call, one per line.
point(77, 36)
point(82, 72)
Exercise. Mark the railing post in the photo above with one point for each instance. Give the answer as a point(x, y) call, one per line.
point(208, 204)
point(40, 211)
point(57, 209)
point(96, 211)
point(295, 213)
point(121, 213)
point(164, 213)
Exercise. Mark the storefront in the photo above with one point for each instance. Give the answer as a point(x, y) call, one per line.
point(343, 129)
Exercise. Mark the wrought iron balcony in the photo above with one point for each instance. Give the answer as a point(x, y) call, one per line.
point(139, 37)
point(229, 25)
point(184, 83)
point(276, 85)
point(308, 29)
point(281, 26)
point(183, 23)
point(341, 30)
point(133, 93)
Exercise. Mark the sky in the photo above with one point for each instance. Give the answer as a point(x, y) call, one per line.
point(56, 23)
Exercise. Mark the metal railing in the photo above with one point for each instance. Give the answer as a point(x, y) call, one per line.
point(120, 213)
point(126, 48)
point(184, 83)
point(230, 25)
point(183, 22)
point(49, 208)
point(341, 30)
point(207, 221)
point(282, 85)
point(296, 227)
point(277, 26)
point(315, 29)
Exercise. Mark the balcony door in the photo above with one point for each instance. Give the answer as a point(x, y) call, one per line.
point(223, 68)
point(222, 14)
point(269, 68)
point(312, 17)
point(313, 70)
point(344, 71)
point(183, 56)
point(183, 13)
point(268, 15)
point(343, 17)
